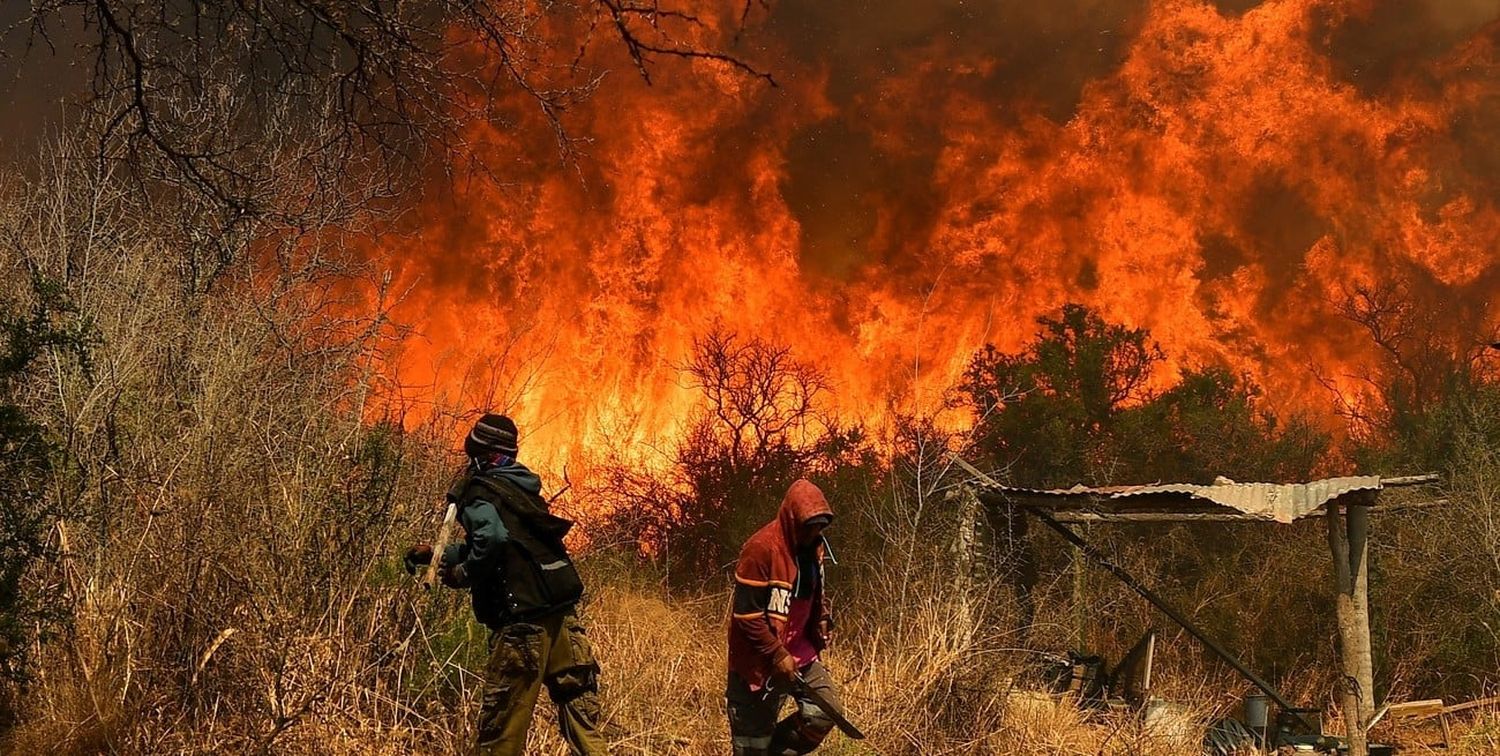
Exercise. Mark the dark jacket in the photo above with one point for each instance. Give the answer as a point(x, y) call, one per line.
point(765, 579)
point(512, 559)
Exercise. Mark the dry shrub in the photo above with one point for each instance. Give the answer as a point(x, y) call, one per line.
point(225, 558)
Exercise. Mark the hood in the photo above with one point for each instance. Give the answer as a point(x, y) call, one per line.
point(518, 475)
point(803, 501)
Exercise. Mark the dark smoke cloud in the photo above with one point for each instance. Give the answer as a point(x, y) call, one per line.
point(1039, 51)
point(1397, 39)
point(37, 79)
point(1231, 8)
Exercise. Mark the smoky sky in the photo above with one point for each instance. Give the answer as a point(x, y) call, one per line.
point(1040, 54)
point(1043, 52)
point(39, 79)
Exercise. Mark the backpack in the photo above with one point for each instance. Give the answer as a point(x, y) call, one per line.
point(535, 569)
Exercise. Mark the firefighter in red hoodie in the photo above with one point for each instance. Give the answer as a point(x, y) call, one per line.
point(779, 622)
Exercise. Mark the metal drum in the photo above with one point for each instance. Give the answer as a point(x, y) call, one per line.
point(1258, 716)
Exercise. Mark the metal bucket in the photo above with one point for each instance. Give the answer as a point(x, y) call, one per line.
point(1258, 716)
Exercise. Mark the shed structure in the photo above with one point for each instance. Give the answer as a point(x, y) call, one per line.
point(1345, 504)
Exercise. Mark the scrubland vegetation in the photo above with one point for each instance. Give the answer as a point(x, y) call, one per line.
point(203, 508)
point(207, 477)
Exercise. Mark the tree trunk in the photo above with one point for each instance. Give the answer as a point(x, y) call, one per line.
point(1358, 517)
point(1353, 638)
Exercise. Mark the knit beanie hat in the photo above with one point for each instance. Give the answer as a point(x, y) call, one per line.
point(492, 435)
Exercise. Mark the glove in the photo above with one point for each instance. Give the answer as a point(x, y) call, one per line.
point(454, 576)
point(419, 555)
point(452, 555)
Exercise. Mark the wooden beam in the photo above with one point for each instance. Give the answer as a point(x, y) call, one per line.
point(1402, 506)
point(1411, 480)
point(990, 495)
point(1426, 708)
point(1491, 701)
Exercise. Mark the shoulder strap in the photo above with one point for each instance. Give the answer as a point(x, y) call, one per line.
point(530, 509)
point(460, 485)
point(521, 501)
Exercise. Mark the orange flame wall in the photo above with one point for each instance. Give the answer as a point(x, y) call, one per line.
point(930, 176)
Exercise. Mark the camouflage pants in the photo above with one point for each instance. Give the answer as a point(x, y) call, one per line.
point(753, 729)
point(524, 656)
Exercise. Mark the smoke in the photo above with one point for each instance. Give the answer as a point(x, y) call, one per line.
point(1375, 45)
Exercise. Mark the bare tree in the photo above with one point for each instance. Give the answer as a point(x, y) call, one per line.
point(1429, 345)
point(300, 113)
point(761, 396)
point(759, 427)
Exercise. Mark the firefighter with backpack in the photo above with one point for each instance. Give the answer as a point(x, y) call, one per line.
point(524, 587)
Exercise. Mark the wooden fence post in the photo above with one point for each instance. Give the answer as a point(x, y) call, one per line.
point(1348, 542)
point(965, 502)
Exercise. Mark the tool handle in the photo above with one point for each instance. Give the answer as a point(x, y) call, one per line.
point(444, 533)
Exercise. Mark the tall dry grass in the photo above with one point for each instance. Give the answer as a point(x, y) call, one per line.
point(943, 684)
point(229, 510)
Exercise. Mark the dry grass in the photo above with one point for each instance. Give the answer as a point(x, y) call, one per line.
point(938, 686)
point(935, 684)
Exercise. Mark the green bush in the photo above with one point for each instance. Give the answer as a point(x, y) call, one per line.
point(29, 458)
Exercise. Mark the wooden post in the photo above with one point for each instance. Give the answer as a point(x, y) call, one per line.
point(1358, 519)
point(1080, 613)
point(965, 503)
point(1347, 541)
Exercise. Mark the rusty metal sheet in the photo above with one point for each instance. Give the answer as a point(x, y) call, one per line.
point(1279, 502)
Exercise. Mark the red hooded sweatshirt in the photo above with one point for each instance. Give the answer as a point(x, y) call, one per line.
point(765, 578)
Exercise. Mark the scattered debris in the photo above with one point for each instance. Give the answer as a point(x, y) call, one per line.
point(1419, 711)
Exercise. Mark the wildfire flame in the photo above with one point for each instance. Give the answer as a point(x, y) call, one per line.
point(930, 177)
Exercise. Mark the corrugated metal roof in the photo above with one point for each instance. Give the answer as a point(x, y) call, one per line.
point(1281, 502)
